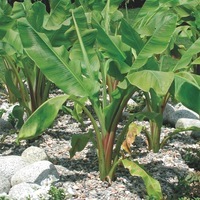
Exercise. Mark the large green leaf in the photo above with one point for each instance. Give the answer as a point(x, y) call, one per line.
point(19, 10)
point(59, 13)
point(189, 3)
point(53, 66)
point(36, 18)
point(59, 35)
point(187, 91)
point(5, 7)
point(42, 118)
point(12, 38)
point(147, 79)
point(188, 55)
point(6, 23)
point(131, 37)
point(147, 11)
point(83, 49)
point(152, 185)
point(152, 8)
point(158, 41)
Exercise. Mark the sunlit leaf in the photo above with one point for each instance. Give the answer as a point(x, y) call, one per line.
point(6, 23)
point(54, 67)
point(152, 185)
point(147, 79)
point(59, 13)
point(83, 48)
point(158, 41)
point(42, 118)
point(36, 18)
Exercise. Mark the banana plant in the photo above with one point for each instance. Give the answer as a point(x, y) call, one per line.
point(88, 61)
point(105, 59)
point(173, 77)
point(19, 68)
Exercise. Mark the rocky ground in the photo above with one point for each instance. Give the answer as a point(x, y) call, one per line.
point(80, 178)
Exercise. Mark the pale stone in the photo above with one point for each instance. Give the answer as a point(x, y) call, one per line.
point(34, 154)
point(187, 123)
point(35, 173)
point(23, 191)
point(172, 114)
point(10, 164)
point(4, 184)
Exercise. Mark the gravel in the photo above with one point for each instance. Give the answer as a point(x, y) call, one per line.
point(80, 176)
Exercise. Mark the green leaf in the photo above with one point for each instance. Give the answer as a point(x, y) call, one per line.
point(158, 41)
point(59, 35)
point(13, 39)
point(83, 49)
point(147, 79)
point(187, 91)
point(53, 66)
point(9, 82)
point(78, 142)
point(42, 118)
point(196, 61)
point(188, 55)
point(36, 18)
point(5, 7)
point(147, 11)
point(6, 23)
point(18, 112)
point(131, 37)
point(59, 13)
point(167, 63)
point(18, 10)
point(152, 185)
point(108, 45)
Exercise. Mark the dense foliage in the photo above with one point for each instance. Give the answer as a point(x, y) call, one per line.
point(94, 52)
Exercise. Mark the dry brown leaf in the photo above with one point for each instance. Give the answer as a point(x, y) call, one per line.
point(133, 131)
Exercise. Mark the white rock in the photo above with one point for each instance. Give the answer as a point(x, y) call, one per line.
point(173, 114)
point(4, 106)
point(132, 103)
point(23, 191)
point(187, 123)
point(10, 164)
point(35, 173)
point(34, 154)
point(4, 184)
